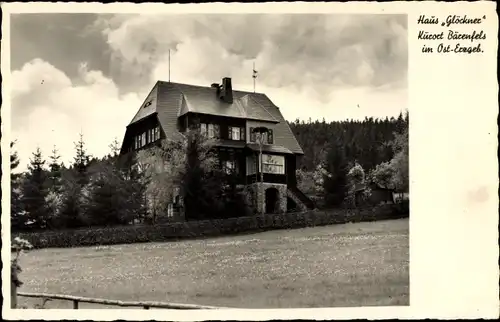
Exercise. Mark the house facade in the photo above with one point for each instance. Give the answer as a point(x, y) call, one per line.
point(231, 118)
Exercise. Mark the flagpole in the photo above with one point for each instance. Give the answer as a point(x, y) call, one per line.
point(169, 65)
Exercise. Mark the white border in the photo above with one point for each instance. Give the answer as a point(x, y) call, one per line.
point(453, 135)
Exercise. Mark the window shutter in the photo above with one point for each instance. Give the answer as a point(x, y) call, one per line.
point(270, 137)
point(242, 134)
point(252, 135)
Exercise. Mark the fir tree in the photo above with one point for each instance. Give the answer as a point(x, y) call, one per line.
point(55, 168)
point(116, 198)
point(71, 214)
point(75, 189)
point(35, 191)
point(115, 148)
point(335, 183)
point(81, 161)
point(18, 219)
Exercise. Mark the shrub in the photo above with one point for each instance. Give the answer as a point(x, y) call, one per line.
point(205, 228)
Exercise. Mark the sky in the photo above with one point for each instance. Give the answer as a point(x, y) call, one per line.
point(89, 73)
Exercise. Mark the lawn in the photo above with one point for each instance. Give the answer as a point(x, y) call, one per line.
point(363, 264)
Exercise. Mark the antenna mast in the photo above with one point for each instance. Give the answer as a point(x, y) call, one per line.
point(254, 76)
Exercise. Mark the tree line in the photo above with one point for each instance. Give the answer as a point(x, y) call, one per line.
point(122, 189)
point(339, 156)
point(125, 189)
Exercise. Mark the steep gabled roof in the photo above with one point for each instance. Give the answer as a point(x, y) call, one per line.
point(171, 100)
point(148, 107)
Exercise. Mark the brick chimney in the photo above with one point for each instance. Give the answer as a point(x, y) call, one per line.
point(226, 91)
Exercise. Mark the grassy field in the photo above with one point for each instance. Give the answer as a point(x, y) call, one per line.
point(362, 264)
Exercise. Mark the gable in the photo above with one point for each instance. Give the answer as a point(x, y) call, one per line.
point(148, 107)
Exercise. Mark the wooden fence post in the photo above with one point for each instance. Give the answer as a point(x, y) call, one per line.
point(13, 295)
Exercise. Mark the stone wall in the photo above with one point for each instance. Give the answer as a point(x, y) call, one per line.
point(259, 191)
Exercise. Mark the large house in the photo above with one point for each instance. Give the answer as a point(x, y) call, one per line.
point(231, 117)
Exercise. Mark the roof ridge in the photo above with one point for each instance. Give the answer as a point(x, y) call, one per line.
point(207, 87)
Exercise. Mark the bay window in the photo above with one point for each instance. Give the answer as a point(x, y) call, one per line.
point(268, 137)
point(274, 164)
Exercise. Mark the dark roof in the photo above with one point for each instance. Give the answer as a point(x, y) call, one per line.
point(197, 99)
point(171, 100)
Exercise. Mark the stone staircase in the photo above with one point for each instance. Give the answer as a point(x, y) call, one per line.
point(301, 200)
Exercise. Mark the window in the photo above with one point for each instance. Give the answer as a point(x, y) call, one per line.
point(203, 128)
point(270, 136)
point(266, 139)
point(251, 165)
point(229, 166)
point(210, 130)
point(170, 210)
point(136, 142)
point(234, 133)
point(274, 164)
point(216, 131)
point(152, 137)
point(139, 141)
point(253, 137)
point(143, 139)
point(242, 133)
point(156, 135)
